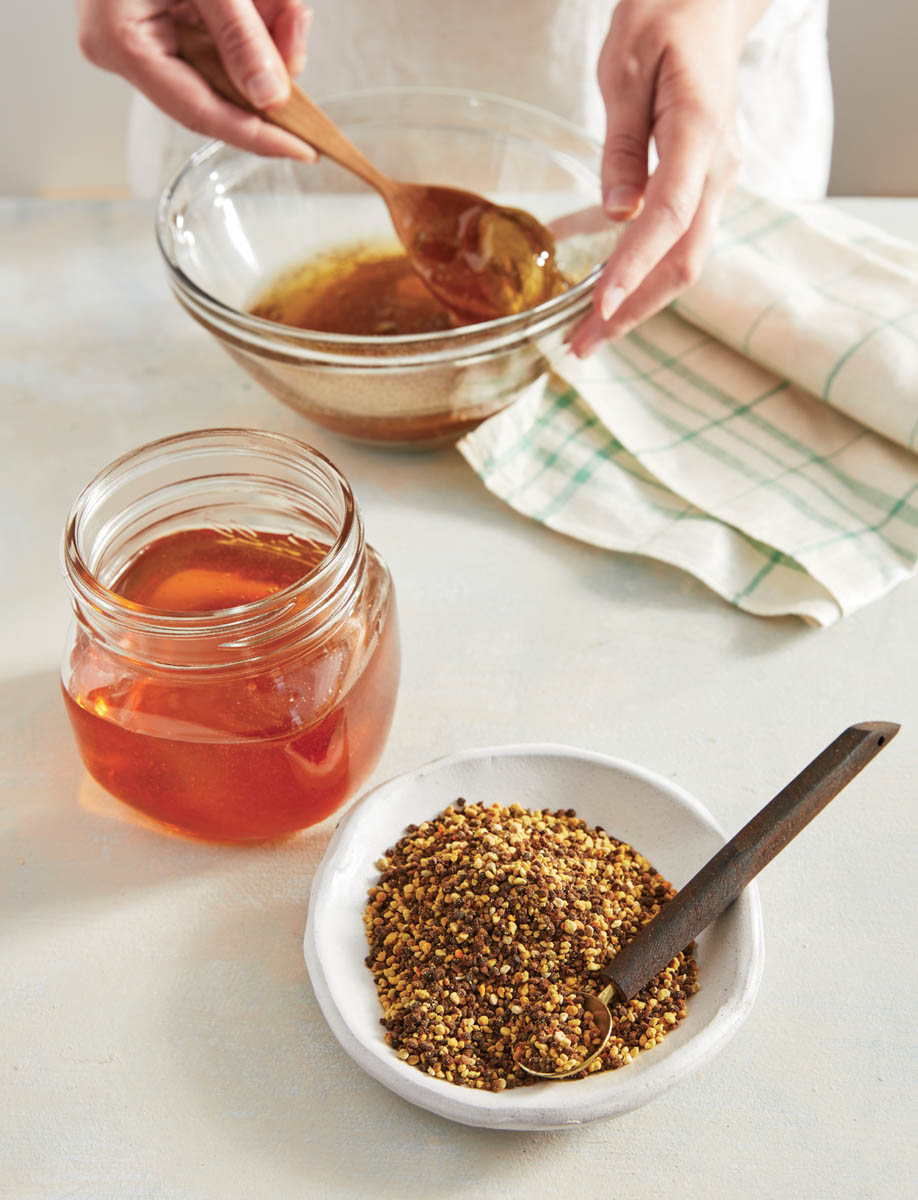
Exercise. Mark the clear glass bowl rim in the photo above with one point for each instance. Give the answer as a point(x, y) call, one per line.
point(440, 344)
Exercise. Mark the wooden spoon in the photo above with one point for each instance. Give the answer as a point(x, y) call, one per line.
point(481, 260)
point(721, 880)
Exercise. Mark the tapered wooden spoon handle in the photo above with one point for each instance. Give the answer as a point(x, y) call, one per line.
point(721, 880)
point(298, 115)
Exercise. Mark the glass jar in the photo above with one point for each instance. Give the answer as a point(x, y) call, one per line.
point(236, 723)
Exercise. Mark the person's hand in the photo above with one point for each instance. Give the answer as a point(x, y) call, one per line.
point(667, 71)
point(261, 43)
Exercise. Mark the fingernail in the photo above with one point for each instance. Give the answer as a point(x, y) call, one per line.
point(621, 202)
point(267, 87)
point(610, 302)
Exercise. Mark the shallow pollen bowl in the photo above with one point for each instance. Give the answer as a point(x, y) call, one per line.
point(667, 825)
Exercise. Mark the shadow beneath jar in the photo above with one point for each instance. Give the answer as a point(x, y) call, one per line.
point(72, 846)
point(283, 1091)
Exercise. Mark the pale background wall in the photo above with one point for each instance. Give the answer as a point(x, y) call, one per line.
point(64, 122)
point(872, 48)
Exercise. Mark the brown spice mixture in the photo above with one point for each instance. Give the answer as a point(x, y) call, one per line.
point(482, 915)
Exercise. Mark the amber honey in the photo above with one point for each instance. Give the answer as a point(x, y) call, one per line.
point(375, 291)
point(365, 290)
point(240, 684)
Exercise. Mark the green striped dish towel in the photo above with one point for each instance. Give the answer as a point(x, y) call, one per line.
point(762, 433)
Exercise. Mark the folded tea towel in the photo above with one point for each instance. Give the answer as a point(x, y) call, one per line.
point(762, 433)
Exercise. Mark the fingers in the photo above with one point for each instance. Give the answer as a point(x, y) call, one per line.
point(686, 142)
point(584, 220)
point(252, 60)
point(181, 93)
point(627, 88)
point(143, 49)
point(290, 31)
point(676, 271)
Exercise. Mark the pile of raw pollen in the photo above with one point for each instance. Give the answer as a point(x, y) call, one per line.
point(483, 915)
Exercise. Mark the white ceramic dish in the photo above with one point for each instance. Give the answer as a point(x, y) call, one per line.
point(665, 823)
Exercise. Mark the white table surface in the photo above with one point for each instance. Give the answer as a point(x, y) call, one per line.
point(159, 1038)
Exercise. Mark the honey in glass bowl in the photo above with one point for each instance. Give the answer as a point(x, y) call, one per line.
point(365, 289)
point(233, 661)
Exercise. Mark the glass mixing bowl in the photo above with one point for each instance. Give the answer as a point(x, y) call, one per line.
point(230, 223)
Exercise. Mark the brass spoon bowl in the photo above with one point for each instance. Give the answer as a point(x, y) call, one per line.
point(598, 1007)
point(482, 260)
point(721, 880)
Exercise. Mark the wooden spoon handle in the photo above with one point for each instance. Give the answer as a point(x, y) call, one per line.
point(298, 115)
point(721, 880)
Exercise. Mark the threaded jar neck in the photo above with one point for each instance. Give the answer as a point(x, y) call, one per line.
point(225, 479)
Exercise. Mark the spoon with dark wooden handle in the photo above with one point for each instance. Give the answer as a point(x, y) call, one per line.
point(721, 880)
point(483, 260)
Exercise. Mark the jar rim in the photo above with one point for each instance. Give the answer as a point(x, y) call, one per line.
point(252, 621)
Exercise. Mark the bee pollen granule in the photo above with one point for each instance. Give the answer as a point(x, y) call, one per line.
point(484, 914)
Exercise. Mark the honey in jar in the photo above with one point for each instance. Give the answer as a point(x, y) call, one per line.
point(234, 658)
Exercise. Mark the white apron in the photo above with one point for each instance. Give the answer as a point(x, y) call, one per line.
point(545, 52)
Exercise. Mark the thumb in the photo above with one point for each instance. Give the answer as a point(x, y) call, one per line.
point(247, 50)
point(629, 101)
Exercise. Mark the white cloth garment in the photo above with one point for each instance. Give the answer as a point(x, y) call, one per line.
point(545, 52)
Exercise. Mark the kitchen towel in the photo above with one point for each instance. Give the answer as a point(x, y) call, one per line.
point(761, 433)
